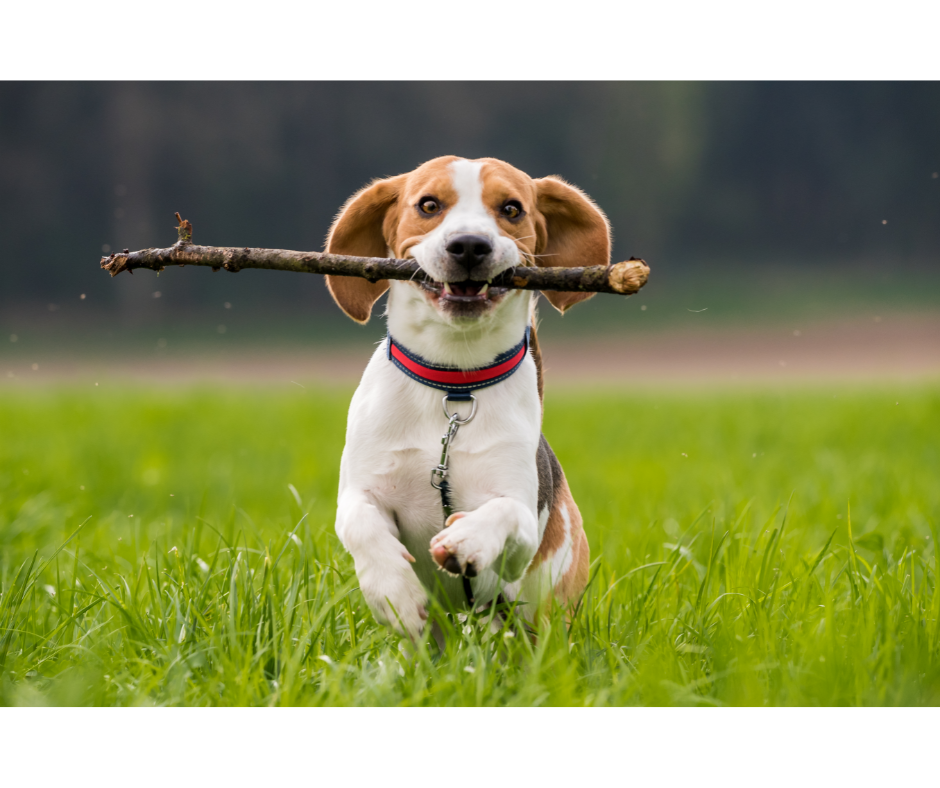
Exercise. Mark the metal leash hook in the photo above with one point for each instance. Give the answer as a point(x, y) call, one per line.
point(454, 422)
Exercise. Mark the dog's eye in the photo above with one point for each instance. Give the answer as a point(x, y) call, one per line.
point(512, 209)
point(429, 206)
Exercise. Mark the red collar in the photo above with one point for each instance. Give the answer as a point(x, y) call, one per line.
point(457, 382)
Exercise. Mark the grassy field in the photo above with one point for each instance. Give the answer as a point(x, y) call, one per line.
point(176, 546)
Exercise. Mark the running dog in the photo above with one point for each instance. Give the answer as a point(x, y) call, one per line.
point(494, 517)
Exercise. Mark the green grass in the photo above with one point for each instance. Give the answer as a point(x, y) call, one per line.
point(176, 546)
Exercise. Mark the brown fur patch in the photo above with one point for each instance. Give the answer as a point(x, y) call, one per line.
point(573, 581)
point(358, 230)
point(573, 232)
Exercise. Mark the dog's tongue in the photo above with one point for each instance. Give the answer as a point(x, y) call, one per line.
point(467, 288)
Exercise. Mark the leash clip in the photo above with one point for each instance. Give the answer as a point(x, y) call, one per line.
point(454, 422)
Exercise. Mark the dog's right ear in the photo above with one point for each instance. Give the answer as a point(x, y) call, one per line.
point(363, 228)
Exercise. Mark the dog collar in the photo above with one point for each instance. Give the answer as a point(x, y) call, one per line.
point(458, 383)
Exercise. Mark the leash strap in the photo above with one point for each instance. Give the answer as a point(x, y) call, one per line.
point(439, 481)
point(439, 474)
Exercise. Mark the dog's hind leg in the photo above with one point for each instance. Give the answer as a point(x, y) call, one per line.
point(560, 566)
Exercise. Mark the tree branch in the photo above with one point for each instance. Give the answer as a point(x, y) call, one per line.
point(620, 278)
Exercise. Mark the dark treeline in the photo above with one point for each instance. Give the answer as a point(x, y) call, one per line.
point(689, 173)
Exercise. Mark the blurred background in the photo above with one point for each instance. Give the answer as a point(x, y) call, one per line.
point(793, 229)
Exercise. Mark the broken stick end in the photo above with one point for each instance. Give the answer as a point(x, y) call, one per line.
point(185, 229)
point(114, 263)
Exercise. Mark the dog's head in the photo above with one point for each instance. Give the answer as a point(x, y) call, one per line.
point(465, 222)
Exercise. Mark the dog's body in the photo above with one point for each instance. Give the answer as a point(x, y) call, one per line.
point(515, 530)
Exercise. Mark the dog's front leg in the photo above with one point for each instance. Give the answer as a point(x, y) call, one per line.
point(383, 565)
point(502, 534)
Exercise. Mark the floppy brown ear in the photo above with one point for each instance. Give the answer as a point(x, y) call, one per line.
point(575, 232)
point(359, 230)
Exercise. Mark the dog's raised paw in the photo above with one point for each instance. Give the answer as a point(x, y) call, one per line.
point(464, 548)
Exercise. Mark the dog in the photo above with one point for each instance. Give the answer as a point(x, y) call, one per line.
point(494, 519)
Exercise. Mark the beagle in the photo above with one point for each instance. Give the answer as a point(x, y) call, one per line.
point(460, 358)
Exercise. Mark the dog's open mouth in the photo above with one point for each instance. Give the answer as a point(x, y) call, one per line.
point(466, 292)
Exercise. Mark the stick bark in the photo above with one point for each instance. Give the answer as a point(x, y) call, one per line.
point(624, 278)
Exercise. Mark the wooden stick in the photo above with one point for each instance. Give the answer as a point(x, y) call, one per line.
point(620, 278)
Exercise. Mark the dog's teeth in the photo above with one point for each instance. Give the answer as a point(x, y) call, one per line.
point(484, 288)
point(447, 288)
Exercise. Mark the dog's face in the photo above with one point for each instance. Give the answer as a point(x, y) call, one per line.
point(465, 222)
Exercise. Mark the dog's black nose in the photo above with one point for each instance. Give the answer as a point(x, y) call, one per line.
point(469, 250)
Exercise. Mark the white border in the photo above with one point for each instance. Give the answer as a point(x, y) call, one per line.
point(457, 747)
point(484, 39)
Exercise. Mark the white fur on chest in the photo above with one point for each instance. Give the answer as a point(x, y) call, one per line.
point(393, 441)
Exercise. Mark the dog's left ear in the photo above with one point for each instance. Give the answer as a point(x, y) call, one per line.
point(362, 228)
point(573, 232)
